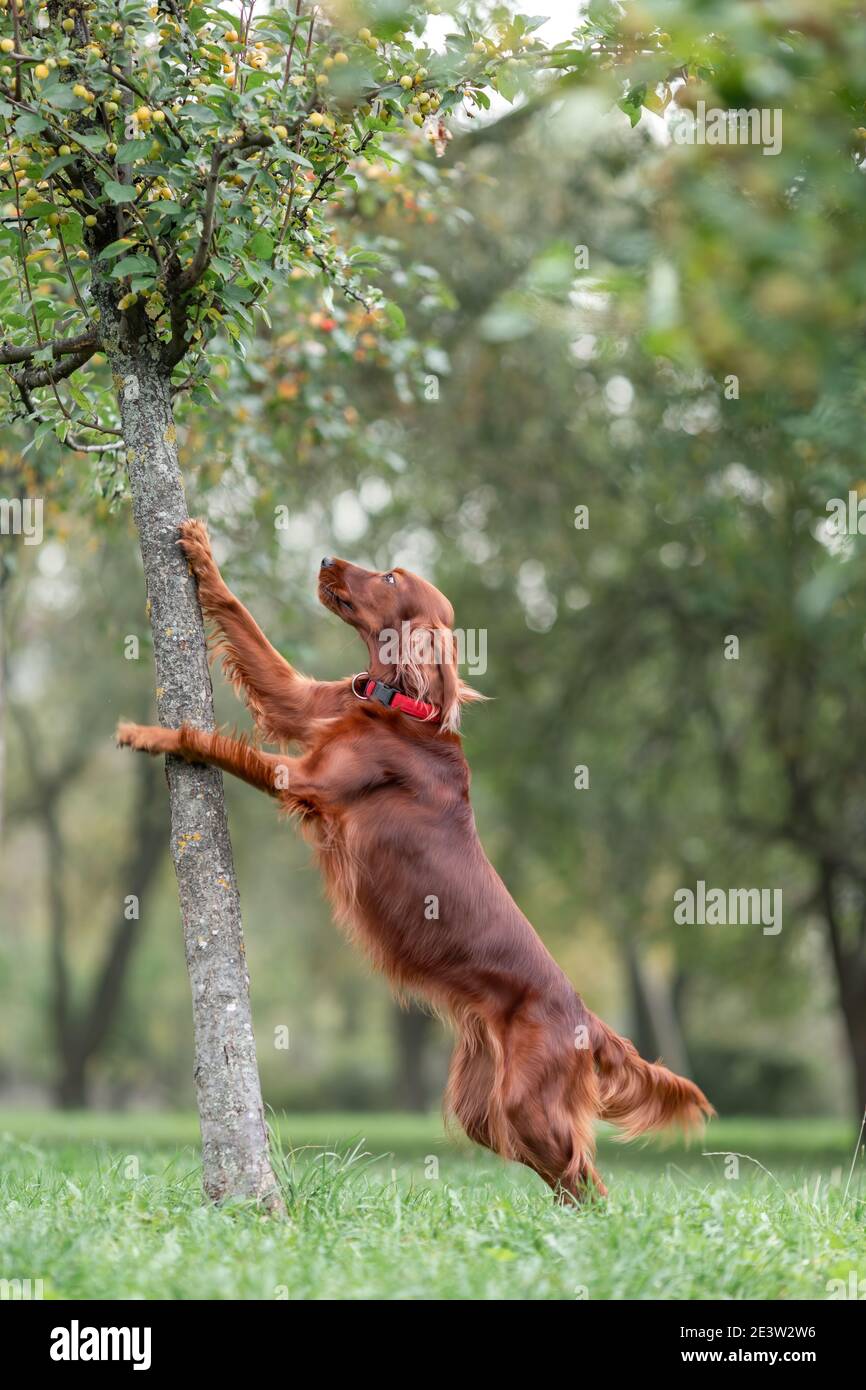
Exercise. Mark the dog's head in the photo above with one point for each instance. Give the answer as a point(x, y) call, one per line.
point(407, 626)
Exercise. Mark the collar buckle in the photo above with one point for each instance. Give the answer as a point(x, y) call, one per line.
point(373, 689)
point(383, 694)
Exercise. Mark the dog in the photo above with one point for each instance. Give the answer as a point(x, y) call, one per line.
point(381, 789)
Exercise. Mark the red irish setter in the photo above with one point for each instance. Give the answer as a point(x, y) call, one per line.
point(381, 788)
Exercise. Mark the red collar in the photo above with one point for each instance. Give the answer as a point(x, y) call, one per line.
point(392, 698)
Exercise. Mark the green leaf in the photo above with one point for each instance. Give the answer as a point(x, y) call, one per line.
point(59, 162)
point(116, 248)
point(506, 83)
point(91, 140)
point(30, 124)
point(164, 207)
point(202, 115)
point(396, 316)
point(129, 265)
point(132, 149)
point(261, 246)
point(236, 294)
point(79, 397)
point(295, 158)
point(632, 104)
point(61, 96)
point(119, 192)
point(258, 79)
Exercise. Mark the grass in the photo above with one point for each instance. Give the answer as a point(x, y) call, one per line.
point(109, 1206)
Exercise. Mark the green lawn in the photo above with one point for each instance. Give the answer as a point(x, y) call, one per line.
point(109, 1206)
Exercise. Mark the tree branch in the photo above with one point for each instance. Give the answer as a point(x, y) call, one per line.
point(47, 376)
point(189, 277)
point(59, 347)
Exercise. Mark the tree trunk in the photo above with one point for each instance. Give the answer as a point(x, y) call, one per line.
point(656, 1023)
point(849, 963)
point(641, 1029)
point(411, 1030)
point(70, 1091)
point(851, 984)
point(60, 1003)
point(235, 1155)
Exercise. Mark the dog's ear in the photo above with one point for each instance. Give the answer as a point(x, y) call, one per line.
point(455, 692)
point(465, 696)
point(428, 670)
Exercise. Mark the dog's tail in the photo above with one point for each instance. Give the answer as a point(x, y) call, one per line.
point(637, 1096)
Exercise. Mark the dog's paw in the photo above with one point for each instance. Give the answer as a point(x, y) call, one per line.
point(146, 738)
point(194, 541)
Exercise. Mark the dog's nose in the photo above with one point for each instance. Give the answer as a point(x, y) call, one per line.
point(327, 562)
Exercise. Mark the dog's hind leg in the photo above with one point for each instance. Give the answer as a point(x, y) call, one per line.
point(550, 1101)
point(530, 1097)
point(470, 1083)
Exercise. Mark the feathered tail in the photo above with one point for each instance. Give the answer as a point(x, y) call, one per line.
point(637, 1096)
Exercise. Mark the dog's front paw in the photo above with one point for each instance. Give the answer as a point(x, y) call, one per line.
point(194, 541)
point(146, 738)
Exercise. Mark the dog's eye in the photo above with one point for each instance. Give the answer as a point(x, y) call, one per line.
point(390, 578)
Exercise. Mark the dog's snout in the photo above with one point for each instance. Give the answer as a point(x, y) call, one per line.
point(327, 562)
